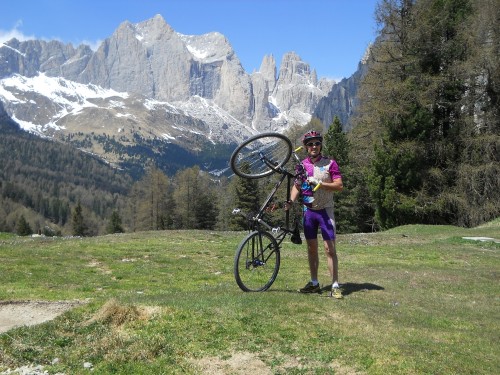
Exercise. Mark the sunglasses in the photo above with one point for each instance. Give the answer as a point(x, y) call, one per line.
point(310, 144)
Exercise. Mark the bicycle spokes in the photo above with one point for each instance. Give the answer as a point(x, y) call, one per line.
point(257, 262)
point(261, 155)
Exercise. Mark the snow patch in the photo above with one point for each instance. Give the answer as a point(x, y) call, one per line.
point(13, 49)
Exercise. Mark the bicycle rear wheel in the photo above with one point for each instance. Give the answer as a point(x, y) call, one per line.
point(257, 262)
point(248, 159)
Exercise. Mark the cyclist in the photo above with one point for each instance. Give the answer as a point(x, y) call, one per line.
point(318, 209)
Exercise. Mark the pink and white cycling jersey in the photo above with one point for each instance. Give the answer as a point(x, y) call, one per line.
point(324, 170)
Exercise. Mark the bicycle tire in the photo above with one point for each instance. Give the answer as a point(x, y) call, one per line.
point(257, 262)
point(246, 160)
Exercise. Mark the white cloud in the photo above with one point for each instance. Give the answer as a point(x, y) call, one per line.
point(93, 45)
point(6, 35)
point(15, 32)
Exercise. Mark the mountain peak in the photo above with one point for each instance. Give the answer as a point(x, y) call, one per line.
point(208, 47)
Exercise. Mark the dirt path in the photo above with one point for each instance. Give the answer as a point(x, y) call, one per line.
point(28, 313)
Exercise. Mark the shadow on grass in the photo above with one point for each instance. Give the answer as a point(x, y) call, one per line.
point(348, 288)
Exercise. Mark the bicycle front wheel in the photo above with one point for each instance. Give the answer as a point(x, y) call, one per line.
point(261, 155)
point(257, 262)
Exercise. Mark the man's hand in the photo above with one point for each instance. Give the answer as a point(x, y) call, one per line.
point(313, 181)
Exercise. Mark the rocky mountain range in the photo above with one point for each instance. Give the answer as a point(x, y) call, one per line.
point(151, 93)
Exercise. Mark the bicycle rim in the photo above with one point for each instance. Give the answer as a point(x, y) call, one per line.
point(247, 159)
point(257, 262)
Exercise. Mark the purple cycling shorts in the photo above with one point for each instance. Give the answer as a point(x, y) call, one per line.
point(319, 219)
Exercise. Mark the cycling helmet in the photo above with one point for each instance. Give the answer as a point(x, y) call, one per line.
point(311, 134)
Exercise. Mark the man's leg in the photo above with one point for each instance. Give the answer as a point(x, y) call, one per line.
point(312, 256)
point(333, 266)
point(332, 260)
point(310, 232)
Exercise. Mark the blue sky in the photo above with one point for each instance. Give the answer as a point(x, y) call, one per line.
point(330, 35)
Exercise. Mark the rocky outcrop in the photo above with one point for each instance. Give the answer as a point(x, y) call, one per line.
point(341, 101)
point(34, 56)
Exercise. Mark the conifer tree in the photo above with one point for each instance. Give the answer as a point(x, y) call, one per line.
point(247, 199)
point(23, 227)
point(186, 194)
point(148, 201)
point(115, 223)
point(352, 204)
point(206, 211)
point(194, 200)
point(170, 219)
point(225, 202)
point(336, 144)
point(78, 222)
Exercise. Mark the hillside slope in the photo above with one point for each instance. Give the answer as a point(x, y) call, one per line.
point(42, 180)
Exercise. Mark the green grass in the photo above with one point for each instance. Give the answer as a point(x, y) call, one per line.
point(418, 300)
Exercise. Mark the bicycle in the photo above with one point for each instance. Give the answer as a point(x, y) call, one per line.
point(257, 258)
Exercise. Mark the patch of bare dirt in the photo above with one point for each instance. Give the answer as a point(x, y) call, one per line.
point(238, 363)
point(249, 363)
point(28, 313)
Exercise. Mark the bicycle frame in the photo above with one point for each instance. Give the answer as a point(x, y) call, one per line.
point(278, 232)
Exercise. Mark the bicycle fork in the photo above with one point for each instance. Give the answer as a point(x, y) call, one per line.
point(258, 252)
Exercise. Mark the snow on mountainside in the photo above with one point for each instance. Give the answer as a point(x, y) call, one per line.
point(66, 98)
point(60, 102)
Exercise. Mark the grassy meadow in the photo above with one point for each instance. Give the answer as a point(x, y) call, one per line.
point(418, 300)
